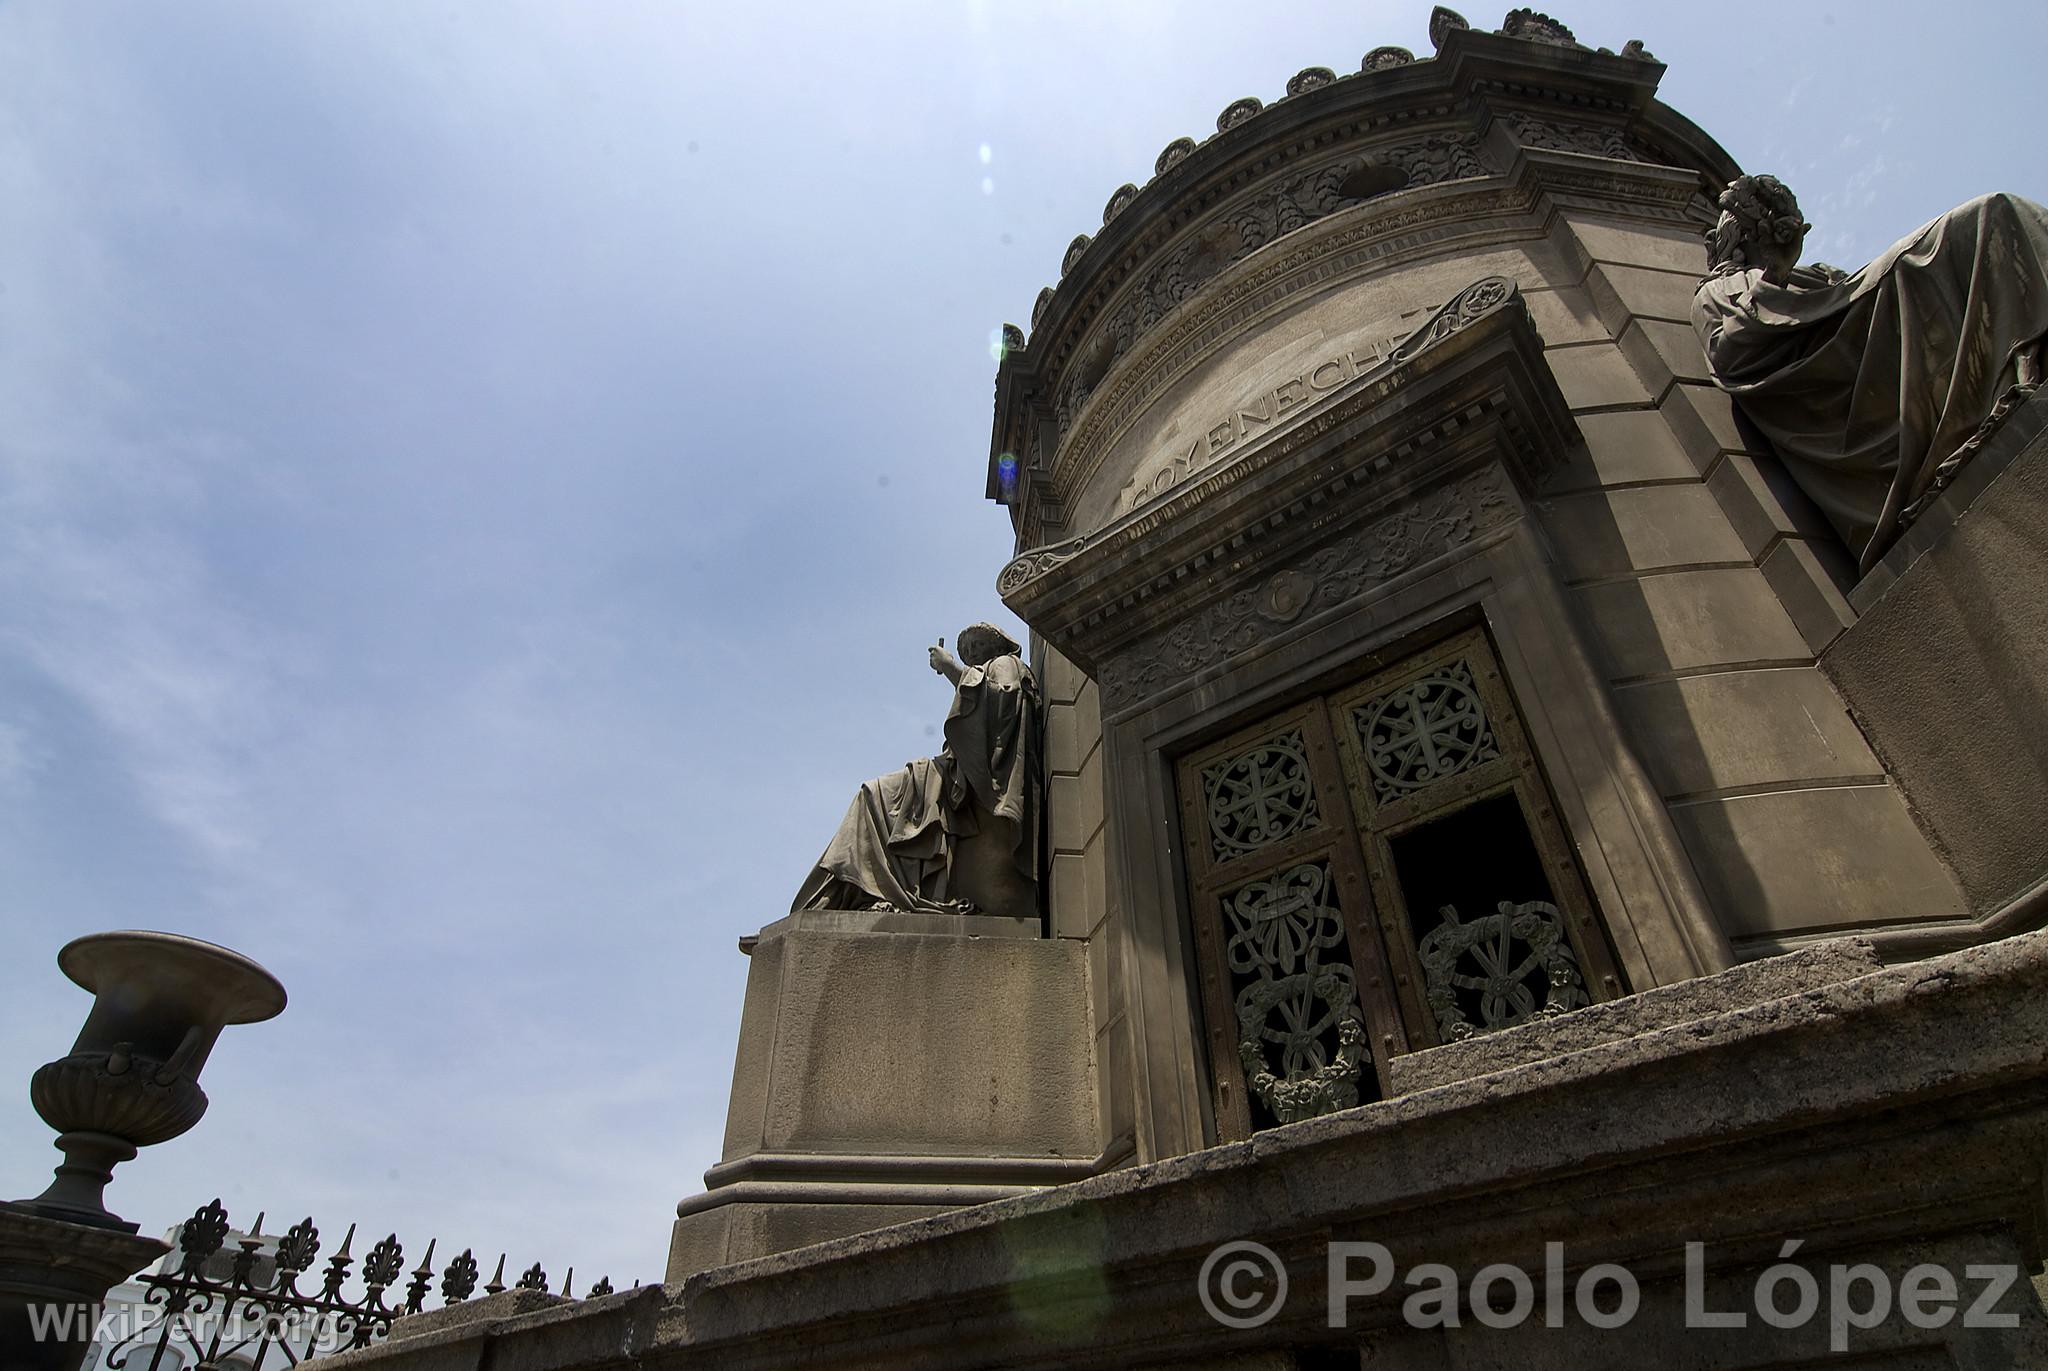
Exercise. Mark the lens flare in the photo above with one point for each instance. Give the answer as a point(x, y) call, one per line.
point(997, 349)
point(987, 154)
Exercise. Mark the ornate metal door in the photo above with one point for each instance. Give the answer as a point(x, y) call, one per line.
point(1375, 870)
point(1294, 982)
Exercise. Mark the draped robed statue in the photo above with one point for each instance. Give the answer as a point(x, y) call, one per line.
point(1875, 386)
point(957, 833)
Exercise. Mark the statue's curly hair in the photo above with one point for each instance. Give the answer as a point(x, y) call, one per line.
point(1754, 210)
point(984, 642)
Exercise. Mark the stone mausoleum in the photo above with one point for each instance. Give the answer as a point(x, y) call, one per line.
point(1490, 776)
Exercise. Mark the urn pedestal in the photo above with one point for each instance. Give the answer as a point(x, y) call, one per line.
point(130, 1080)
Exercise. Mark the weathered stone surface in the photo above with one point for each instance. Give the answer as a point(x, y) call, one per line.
point(1611, 533)
point(1736, 730)
point(1118, 1091)
point(1812, 860)
point(1076, 806)
point(1073, 911)
point(858, 1015)
point(753, 1227)
point(1663, 352)
point(1073, 731)
point(1639, 245)
point(1063, 680)
point(1704, 420)
point(1213, 408)
point(1596, 376)
point(1624, 292)
point(895, 921)
point(1762, 503)
point(883, 1075)
point(1566, 315)
point(1946, 674)
point(1771, 978)
point(506, 1304)
point(1806, 584)
point(1690, 619)
point(1625, 447)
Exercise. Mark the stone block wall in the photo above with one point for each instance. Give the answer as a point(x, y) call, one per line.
point(1081, 908)
point(1709, 585)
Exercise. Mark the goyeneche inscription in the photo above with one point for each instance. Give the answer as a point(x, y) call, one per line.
point(1267, 409)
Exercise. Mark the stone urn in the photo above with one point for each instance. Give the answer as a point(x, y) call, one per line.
point(132, 1078)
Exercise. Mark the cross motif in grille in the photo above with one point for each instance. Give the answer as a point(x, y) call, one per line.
point(1423, 732)
point(1259, 797)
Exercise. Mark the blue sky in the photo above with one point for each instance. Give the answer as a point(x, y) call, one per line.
point(477, 481)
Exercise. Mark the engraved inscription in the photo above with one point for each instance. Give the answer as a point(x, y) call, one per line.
point(1253, 416)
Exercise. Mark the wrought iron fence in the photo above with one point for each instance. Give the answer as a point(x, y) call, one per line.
point(257, 1301)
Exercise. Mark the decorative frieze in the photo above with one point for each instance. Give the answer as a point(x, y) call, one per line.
point(1558, 135)
point(1245, 228)
point(1417, 532)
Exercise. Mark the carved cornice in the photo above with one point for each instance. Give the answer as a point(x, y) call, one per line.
point(1351, 242)
point(1371, 235)
point(1410, 459)
point(1075, 327)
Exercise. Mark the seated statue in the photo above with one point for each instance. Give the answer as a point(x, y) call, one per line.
point(1874, 387)
point(956, 833)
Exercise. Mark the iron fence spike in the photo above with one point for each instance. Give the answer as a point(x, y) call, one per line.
point(346, 1238)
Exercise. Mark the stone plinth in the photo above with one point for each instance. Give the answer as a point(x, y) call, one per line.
point(63, 1268)
point(1944, 672)
point(894, 1066)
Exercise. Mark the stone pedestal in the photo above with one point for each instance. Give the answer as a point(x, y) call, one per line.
point(891, 1067)
point(53, 1277)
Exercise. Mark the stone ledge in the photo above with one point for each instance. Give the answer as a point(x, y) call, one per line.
point(1663, 1007)
point(1877, 1115)
point(559, 1333)
point(496, 1308)
point(896, 921)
